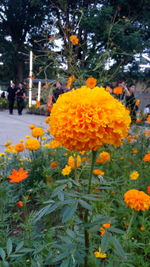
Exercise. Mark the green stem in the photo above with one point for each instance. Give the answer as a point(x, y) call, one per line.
point(130, 223)
point(86, 233)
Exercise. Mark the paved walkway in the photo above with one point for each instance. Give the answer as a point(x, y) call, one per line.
point(15, 127)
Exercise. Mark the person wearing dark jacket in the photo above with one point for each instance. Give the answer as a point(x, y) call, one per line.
point(11, 97)
point(56, 92)
point(20, 94)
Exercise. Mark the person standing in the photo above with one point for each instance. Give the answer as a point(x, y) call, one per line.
point(11, 97)
point(131, 102)
point(20, 94)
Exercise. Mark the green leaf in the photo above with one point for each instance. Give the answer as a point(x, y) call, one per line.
point(19, 246)
point(61, 196)
point(69, 212)
point(46, 210)
point(105, 242)
point(70, 233)
point(2, 254)
point(85, 205)
point(9, 247)
point(118, 247)
point(116, 230)
point(61, 256)
point(65, 263)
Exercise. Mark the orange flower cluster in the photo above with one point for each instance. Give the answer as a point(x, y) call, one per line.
point(18, 176)
point(146, 157)
point(103, 157)
point(86, 119)
point(19, 147)
point(91, 82)
point(20, 204)
point(32, 144)
point(37, 104)
point(74, 39)
point(37, 132)
point(70, 81)
point(137, 200)
point(103, 229)
point(117, 90)
point(66, 170)
point(54, 144)
point(74, 163)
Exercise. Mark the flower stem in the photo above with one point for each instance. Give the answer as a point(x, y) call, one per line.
point(86, 233)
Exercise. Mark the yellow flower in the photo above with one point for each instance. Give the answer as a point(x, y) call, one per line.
point(8, 143)
point(98, 172)
point(86, 119)
point(66, 170)
point(54, 144)
point(134, 151)
point(103, 157)
point(44, 138)
point(37, 132)
point(137, 200)
point(142, 228)
point(74, 39)
point(21, 141)
point(47, 146)
point(32, 144)
point(2, 154)
point(99, 254)
point(134, 175)
point(91, 82)
point(74, 163)
point(10, 149)
point(27, 137)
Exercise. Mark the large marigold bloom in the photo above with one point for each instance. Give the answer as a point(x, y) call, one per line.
point(86, 119)
point(37, 132)
point(18, 176)
point(91, 82)
point(32, 144)
point(137, 200)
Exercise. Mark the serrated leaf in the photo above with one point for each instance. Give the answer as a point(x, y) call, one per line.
point(2, 254)
point(69, 212)
point(9, 247)
point(85, 205)
point(119, 250)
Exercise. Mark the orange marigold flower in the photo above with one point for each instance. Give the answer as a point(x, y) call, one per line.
point(99, 254)
point(66, 170)
point(98, 172)
point(74, 163)
point(37, 132)
point(134, 151)
point(102, 231)
point(32, 144)
point(137, 200)
point(91, 82)
point(19, 147)
point(142, 228)
point(117, 90)
point(138, 120)
point(106, 225)
point(138, 101)
point(148, 189)
point(32, 126)
point(18, 176)
point(74, 39)
point(85, 119)
point(148, 119)
point(146, 157)
point(53, 164)
point(134, 175)
point(54, 144)
point(103, 157)
point(20, 204)
point(70, 81)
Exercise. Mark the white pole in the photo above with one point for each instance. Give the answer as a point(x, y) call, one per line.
point(30, 78)
point(39, 91)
